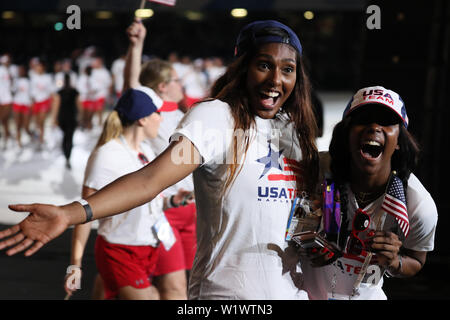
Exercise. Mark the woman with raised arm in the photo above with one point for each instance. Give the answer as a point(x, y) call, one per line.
point(251, 149)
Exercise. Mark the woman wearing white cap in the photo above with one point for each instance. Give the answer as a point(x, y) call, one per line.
point(376, 210)
point(250, 149)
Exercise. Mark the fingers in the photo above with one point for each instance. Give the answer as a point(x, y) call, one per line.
point(12, 241)
point(21, 207)
point(385, 241)
point(20, 247)
point(34, 248)
point(386, 245)
point(8, 232)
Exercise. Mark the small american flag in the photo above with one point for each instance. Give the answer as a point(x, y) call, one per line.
point(394, 203)
point(166, 2)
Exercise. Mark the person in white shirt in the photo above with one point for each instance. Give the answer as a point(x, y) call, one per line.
point(127, 245)
point(84, 87)
point(5, 97)
point(195, 84)
point(42, 90)
point(174, 265)
point(385, 220)
point(250, 149)
point(117, 68)
point(22, 104)
point(101, 85)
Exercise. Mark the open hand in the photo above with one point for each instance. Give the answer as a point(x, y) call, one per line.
point(44, 223)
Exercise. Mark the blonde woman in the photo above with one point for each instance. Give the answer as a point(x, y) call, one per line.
point(126, 249)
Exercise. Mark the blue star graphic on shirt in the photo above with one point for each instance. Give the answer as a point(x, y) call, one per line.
point(270, 161)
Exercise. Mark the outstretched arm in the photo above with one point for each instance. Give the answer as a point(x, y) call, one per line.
point(46, 222)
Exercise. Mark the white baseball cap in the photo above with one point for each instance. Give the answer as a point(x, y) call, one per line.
point(379, 96)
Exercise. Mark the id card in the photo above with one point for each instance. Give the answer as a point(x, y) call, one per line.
point(164, 232)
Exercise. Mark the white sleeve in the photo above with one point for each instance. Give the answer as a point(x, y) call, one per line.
point(209, 126)
point(422, 214)
point(100, 170)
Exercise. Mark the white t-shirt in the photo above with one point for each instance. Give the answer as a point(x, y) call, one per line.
point(22, 92)
point(170, 121)
point(422, 216)
point(117, 70)
point(100, 81)
point(42, 87)
point(84, 88)
point(195, 84)
point(5, 86)
point(134, 227)
point(240, 236)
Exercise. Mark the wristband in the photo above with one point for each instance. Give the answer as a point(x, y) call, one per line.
point(87, 209)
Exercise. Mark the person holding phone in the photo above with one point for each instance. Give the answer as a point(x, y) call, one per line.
point(375, 209)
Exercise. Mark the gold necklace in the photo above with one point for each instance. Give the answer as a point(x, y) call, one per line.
point(366, 197)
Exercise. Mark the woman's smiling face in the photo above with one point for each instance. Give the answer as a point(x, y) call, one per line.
point(271, 78)
point(373, 139)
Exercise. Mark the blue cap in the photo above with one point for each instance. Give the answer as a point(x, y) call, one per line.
point(264, 31)
point(135, 104)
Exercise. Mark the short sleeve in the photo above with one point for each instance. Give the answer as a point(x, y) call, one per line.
point(100, 170)
point(209, 126)
point(423, 216)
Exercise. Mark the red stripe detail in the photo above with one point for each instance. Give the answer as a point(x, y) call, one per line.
point(281, 177)
point(168, 106)
point(296, 170)
point(397, 202)
point(389, 207)
point(291, 162)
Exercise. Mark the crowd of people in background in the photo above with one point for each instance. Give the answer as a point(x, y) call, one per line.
point(28, 90)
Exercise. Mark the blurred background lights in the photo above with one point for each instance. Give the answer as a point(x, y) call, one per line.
point(144, 13)
point(59, 26)
point(239, 12)
point(7, 15)
point(194, 15)
point(309, 15)
point(104, 14)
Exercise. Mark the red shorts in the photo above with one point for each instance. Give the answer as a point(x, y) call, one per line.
point(87, 105)
point(122, 265)
point(181, 256)
point(42, 106)
point(21, 108)
point(98, 104)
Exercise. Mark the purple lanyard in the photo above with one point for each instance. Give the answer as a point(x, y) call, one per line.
point(331, 209)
